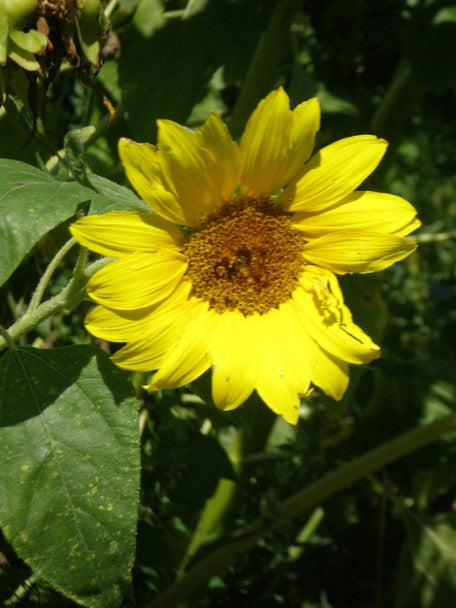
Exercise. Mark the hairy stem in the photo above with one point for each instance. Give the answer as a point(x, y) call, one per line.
point(67, 299)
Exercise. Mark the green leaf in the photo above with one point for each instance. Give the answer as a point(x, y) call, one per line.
point(113, 197)
point(69, 469)
point(427, 567)
point(31, 204)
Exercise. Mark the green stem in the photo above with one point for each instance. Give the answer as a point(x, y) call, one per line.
point(68, 299)
point(300, 503)
point(437, 237)
point(44, 281)
point(262, 71)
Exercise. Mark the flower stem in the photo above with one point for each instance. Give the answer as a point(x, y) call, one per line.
point(263, 67)
point(301, 502)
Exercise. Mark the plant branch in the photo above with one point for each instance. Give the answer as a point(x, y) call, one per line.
point(68, 299)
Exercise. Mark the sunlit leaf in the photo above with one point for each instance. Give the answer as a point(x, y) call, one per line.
point(69, 469)
point(31, 204)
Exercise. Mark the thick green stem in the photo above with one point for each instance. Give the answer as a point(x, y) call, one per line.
point(67, 299)
point(300, 503)
point(262, 71)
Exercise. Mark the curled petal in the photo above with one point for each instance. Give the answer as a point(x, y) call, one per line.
point(142, 166)
point(319, 305)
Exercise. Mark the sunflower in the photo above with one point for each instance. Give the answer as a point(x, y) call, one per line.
point(235, 268)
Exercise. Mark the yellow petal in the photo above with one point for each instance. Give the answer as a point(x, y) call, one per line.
point(137, 280)
point(128, 325)
point(283, 364)
point(234, 367)
point(141, 163)
point(161, 330)
point(217, 139)
point(118, 233)
point(264, 144)
point(114, 326)
point(145, 355)
point(333, 173)
point(306, 122)
point(318, 303)
point(188, 357)
point(371, 211)
point(189, 168)
point(363, 251)
point(277, 142)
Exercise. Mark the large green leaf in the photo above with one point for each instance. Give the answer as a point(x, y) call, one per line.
point(69, 469)
point(31, 204)
point(427, 569)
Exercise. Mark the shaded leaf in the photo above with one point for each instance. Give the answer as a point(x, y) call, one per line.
point(69, 470)
point(432, 63)
point(179, 57)
point(427, 566)
point(205, 463)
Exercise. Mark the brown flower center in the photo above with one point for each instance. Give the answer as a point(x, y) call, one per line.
point(246, 256)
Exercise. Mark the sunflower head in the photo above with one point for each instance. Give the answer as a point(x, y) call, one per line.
point(235, 267)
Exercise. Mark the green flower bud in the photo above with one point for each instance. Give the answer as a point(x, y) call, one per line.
point(18, 11)
point(89, 31)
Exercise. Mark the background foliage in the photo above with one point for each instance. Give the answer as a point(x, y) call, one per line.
point(69, 447)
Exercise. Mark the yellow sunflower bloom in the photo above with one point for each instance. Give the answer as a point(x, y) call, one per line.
point(235, 269)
